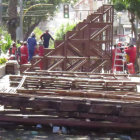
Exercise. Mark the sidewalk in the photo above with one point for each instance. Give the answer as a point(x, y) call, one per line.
point(5, 85)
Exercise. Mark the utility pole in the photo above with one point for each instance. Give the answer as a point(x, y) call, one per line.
point(21, 20)
point(0, 12)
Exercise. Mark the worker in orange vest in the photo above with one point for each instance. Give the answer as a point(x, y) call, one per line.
point(24, 53)
point(41, 53)
point(117, 62)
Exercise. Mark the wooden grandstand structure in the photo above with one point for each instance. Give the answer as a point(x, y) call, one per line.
point(85, 49)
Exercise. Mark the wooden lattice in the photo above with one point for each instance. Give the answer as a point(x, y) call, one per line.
point(85, 49)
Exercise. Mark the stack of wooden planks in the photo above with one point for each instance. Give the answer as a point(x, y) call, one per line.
point(73, 99)
point(74, 81)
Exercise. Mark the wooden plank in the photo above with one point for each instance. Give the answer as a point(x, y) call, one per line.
point(70, 122)
point(85, 94)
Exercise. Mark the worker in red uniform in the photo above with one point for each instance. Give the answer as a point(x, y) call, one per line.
point(41, 53)
point(119, 44)
point(13, 51)
point(126, 55)
point(131, 51)
point(117, 62)
point(24, 54)
point(18, 51)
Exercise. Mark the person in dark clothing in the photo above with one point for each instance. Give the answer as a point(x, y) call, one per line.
point(18, 51)
point(31, 41)
point(46, 38)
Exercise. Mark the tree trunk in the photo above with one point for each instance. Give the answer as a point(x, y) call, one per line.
point(137, 64)
point(12, 21)
point(132, 20)
point(30, 30)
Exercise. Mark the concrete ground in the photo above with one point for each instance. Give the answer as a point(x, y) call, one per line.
point(47, 134)
point(5, 84)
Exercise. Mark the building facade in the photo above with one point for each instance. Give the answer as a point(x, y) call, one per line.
point(85, 7)
point(122, 26)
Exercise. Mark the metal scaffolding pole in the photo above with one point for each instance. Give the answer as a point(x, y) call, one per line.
point(21, 20)
point(0, 12)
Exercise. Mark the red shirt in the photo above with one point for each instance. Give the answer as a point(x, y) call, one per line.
point(131, 51)
point(14, 49)
point(24, 54)
point(41, 50)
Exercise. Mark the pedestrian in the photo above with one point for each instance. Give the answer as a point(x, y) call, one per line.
point(24, 53)
point(31, 44)
point(116, 62)
point(46, 38)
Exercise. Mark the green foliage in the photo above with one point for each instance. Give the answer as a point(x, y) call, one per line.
point(3, 61)
point(62, 31)
point(38, 33)
point(5, 40)
point(131, 5)
point(33, 15)
point(70, 1)
point(40, 13)
point(18, 44)
point(119, 6)
point(51, 45)
point(59, 35)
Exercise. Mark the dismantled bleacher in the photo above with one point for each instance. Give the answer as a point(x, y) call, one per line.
point(66, 92)
point(73, 99)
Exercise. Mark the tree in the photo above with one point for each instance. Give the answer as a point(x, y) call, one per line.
point(133, 8)
point(134, 12)
point(5, 40)
point(60, 33)
point(12, 21)
point(33, 17)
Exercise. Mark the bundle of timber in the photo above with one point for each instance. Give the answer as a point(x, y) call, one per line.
point(72, 111)
point(73, 81)
point(73, 99)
